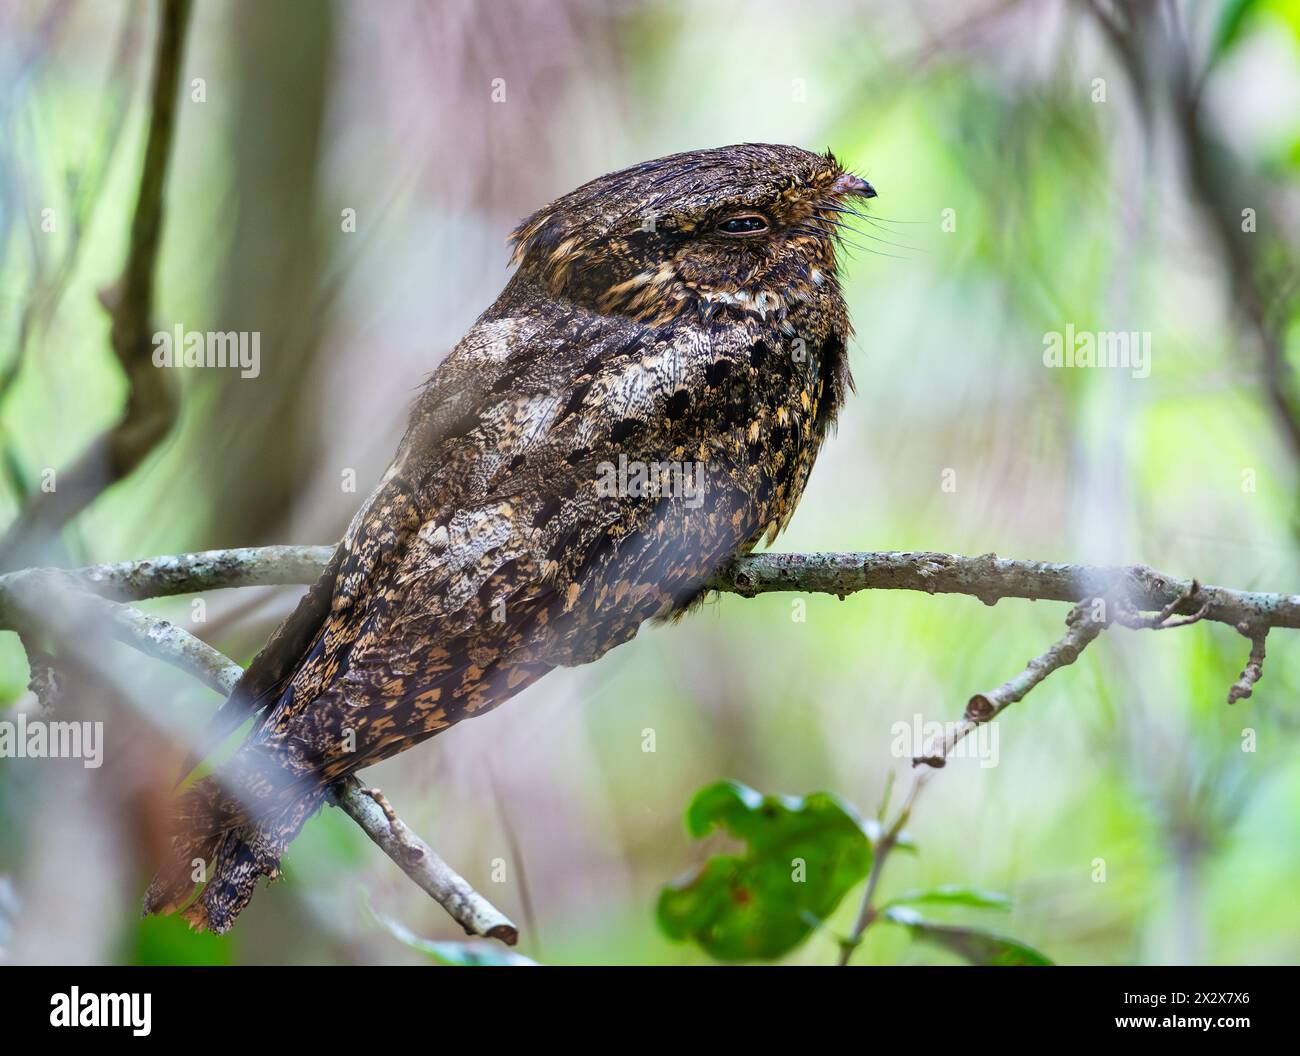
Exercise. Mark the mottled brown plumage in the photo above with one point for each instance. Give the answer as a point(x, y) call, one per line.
point(684, 312)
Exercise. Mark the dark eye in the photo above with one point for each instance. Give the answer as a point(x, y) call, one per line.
point(744, 224)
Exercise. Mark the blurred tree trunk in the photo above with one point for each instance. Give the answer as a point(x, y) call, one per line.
point(263, 428)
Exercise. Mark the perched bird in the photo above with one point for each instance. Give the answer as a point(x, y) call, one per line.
point(642, 403)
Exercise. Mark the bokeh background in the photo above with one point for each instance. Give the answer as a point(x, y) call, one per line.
point(1039, 163)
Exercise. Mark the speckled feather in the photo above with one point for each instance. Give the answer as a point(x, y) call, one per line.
point(490, 553)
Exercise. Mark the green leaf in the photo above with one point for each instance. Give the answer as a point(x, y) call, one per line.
point(460, 954)
point(803, 856)
point(953, 895)
point(974, 944)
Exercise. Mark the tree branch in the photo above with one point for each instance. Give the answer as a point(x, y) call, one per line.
point(371, 810)
point(24, 596)
point(151, 400)
point(991, 578)
point(983, 707)
point(1103, 595)
point(159, 577)
point(987, 577)
point(1084, 624)
point(1130, 589)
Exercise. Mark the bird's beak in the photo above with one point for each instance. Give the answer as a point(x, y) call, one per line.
point(847, 183)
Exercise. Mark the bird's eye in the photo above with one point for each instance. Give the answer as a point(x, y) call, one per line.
point(743, 224)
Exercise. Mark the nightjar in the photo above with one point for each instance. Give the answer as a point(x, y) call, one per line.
point(642, 403)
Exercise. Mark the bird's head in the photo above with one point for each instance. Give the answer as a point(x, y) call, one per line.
point(747, 228)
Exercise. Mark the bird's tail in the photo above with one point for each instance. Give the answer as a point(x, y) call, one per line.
point(221, 841)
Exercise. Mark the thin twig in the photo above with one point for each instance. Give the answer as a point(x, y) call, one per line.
point(512, 843)
point(1163, 620)
point(1254, 669)
point(151, 404)
point(1084, 625)
point(880, 853)
point(26, 597)
point(369, 809)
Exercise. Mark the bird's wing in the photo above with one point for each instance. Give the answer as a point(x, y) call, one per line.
point(519, 546)
point(373, 540)
point(272, 668)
